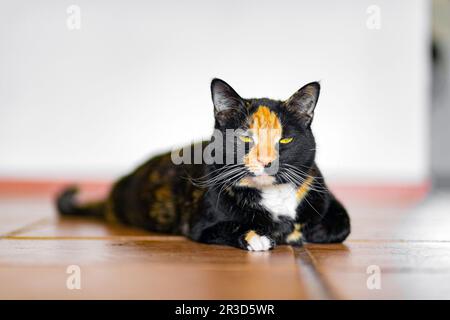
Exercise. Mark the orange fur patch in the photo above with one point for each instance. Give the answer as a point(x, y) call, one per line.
point(266, 129)
point(250, 235)
point(304, 188)
point(295, 235)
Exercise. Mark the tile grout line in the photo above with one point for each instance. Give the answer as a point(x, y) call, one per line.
point(25, 228)
point(308, 270)
point(14, 235)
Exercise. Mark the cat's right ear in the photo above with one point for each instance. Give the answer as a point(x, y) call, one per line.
point(227, 103)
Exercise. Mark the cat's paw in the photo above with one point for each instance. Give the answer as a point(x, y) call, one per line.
point(295, 237)
point(255, 242)
point(332, 230)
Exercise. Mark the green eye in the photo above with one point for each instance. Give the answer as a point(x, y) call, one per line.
point(286, 140)
point(245, 138)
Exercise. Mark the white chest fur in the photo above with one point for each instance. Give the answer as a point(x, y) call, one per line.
point(280, 200)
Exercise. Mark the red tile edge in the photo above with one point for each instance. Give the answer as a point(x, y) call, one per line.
point(390, 191)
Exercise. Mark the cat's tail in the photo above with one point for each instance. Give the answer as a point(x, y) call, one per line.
point(68, 206)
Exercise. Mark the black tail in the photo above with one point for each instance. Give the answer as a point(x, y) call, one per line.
point(68, 206)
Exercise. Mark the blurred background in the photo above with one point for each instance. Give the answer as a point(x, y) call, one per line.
point(89, 89)
point(440, 113)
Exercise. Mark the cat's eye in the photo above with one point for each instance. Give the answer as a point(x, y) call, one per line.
point(246, 139)
point(286, 140)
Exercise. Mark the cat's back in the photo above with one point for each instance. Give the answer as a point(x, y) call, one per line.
point(158, 195)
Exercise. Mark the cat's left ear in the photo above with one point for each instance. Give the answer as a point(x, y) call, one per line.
point(304, 101)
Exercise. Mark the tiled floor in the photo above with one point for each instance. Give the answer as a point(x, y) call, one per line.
point(408, 241)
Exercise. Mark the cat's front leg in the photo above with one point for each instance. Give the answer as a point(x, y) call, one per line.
point(256, 241)
point(236, 235)
point(333, 227)
point(294, 238)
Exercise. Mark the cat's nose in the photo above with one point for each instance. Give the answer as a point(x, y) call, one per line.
point(265, 161)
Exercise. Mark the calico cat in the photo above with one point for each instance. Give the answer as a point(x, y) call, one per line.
point(271, 193)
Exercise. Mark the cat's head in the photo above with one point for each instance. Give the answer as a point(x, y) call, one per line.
point(275, 135)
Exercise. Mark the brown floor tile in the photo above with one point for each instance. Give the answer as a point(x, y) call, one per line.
point(82, 228)
point(146, 269)
point(18, 213)
point(414, 270)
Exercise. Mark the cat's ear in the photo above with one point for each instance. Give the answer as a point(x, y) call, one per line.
point(226, 101)
point(304, 101)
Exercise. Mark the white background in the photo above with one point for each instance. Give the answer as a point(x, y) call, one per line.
point(134, 80)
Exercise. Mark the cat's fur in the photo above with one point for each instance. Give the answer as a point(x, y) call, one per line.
point(240, 205)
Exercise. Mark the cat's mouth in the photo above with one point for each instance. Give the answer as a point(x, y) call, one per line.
point(257, 181)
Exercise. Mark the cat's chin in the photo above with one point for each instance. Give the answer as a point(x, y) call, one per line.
point(259, 181)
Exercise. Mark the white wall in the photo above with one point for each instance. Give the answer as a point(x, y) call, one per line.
point(134, 80)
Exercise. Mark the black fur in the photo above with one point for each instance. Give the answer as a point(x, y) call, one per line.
point(164, 197)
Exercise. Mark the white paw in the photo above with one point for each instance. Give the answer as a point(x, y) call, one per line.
point(259, 243)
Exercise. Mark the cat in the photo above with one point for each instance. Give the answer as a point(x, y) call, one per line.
point(270, 194)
